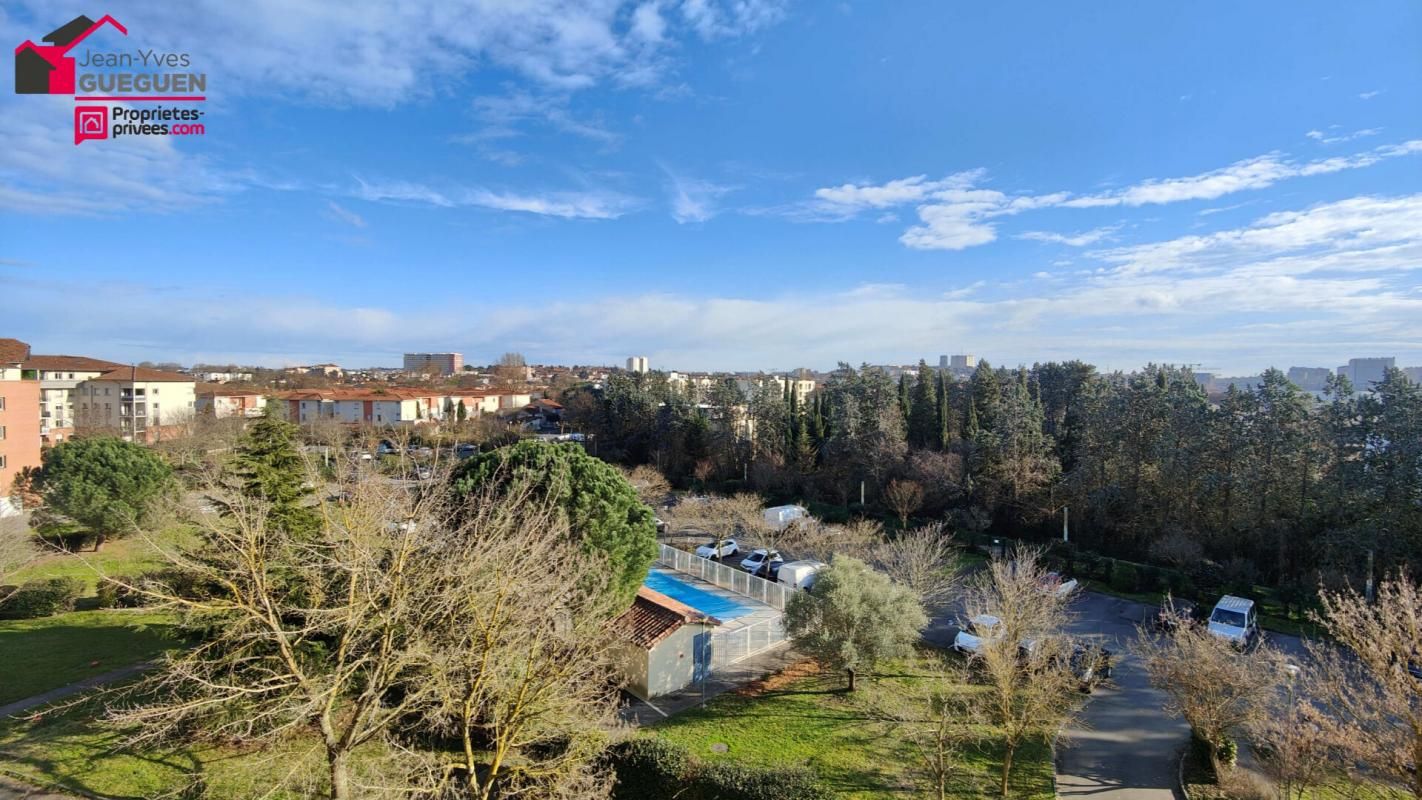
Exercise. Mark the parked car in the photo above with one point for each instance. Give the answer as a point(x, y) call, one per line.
point(765, 563)
point(799, 574)
point(1234, 619)
point(983, 627)
point(385, 448)
point(727, 549)
point(1091, 664)
point(466, 450)
point(1058, 584)
point(660, 523)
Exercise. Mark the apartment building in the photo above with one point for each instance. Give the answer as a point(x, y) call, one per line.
point(396, 406)
point(220, 401)
point(19, 419)
point(1364, 372)
point(443, 363)
point(638, 364)
point(141, 405)
point(59, 378)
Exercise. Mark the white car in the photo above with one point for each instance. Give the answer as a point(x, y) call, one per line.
point(763, 561)
point(1058, 584)
point(709, 550)
point(982, 628)
point(1234, 619)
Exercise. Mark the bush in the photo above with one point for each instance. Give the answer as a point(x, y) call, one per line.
point(726, 780)
point(1124, 577)
point(113, 595)
point(107, 595)
point(42, 598)
point(647, 767)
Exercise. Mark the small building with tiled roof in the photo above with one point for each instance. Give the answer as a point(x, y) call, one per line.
point(662, 645)
point(221, 400)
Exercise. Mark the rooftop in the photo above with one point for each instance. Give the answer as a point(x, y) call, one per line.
point(144, 375)
point(69, 364)
point(13, 351)
point(654, 616)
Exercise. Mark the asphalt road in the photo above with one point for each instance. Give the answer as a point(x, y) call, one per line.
point(1125, 746)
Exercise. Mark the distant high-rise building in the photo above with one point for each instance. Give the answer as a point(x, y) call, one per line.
point(1364, 372)
point(1310, 378)
point(1413, 374)
point(964, 362)
point(637, 364)
point(444, 363)
point(943, 362)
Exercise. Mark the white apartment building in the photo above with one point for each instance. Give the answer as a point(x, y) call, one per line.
point(637, 364)
point(135, 402)
point(59, 378)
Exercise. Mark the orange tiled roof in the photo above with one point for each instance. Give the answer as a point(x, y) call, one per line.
point(13, 351)
point(144, 375)
point(69, 363)
point(653, 617)
point(223, 390)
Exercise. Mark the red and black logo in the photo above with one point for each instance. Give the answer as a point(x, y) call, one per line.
point(47, 68)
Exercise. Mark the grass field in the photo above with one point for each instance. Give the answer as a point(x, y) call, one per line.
point(118, 557)
point(841, 736)
point(46, 653)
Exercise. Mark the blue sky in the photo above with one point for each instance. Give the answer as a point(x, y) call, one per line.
point(735, 184)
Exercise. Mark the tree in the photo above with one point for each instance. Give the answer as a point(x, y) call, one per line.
point(1024, 660)
point(601, 507)
point(109, 486)
point(924, 428)
point(1219, 688)
point(272, 469)
point(651, 485)
point(937, 730)
point(904, 497)
point(736, 517)
point(854, 618)
point(461, 412)
point(1372, 704)
point(924, 560)
point(511, 369)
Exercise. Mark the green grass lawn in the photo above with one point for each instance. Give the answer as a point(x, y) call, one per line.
point(841, 736)
point(118, 557)
point(43, 654)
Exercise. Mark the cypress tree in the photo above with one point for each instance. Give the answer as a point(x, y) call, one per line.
point(272, 470)
point(923, 409)
point(945, 414)
point(905, 402)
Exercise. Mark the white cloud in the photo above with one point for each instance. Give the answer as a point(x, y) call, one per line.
point(1370, 95)
point(1071, 239)
point(1306, 286)
point(647, 22)
point(596, 204)
point(1326, 138)
point(712, 19)
point(503, 116)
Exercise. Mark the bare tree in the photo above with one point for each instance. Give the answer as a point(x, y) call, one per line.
point(511, 369)
point(823, 542)
point(1024, 659)
point(925, 560)
point(651, 485)
point(1294, 745)
point(1371, 698)
point(1219, 688)
point(726, 518)
point(904, 497)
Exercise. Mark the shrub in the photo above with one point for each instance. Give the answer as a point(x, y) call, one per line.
point(107, 595)
point(42, 598)
point(647, 767)
point(113, 595)
point(728, 780)
point(1124, 577)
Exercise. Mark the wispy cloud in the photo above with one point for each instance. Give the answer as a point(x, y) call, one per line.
point(566, 204)
point(957, 212)
point(1334, 138)
point(343, 214)
point(692, 199)
point(1371, 94)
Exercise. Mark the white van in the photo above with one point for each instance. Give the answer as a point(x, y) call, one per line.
point(780, 517)
point(1234, 619)
point(799, 574)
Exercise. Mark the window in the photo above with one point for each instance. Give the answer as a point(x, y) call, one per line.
point(2, 460)
point(2, 404)
point(155, 390)
point(2, 433)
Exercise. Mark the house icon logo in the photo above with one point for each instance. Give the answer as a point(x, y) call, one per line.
point(47, 68)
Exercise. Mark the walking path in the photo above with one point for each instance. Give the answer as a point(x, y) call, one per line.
point(45, 698)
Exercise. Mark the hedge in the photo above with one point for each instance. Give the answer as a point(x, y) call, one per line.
point(647, 767)
point(42, 598)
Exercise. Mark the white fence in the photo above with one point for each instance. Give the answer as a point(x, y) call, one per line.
point(732, 646)
point(737, 580)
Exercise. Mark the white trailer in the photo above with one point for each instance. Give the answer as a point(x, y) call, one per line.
point(780, 517)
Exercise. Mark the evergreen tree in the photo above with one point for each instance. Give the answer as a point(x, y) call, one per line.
point(945, 413)
point(923, 427)
point(272, 470)
point(905, 401)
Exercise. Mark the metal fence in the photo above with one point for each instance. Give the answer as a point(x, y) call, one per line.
point(737, 580)
point(732, 646)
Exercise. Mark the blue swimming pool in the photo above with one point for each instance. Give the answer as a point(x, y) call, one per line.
point(718, 606)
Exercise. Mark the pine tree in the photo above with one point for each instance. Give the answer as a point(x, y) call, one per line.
point(945, 413)
point(923, 429)
point(905, 401)
point(272, 470)
point(460, 412)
